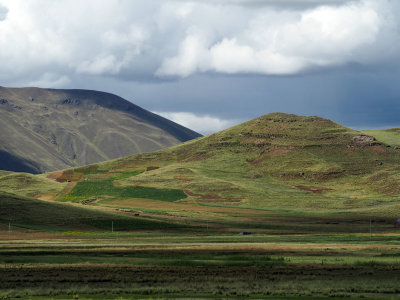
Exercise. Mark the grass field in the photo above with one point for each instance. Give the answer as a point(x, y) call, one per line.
point(66, 251)
point(160, 265)
point(106, 188)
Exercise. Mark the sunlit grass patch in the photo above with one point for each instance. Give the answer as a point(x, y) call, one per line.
point(87, 189)
point(92, 188)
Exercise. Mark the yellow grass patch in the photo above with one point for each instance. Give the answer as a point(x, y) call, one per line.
point(46, 197)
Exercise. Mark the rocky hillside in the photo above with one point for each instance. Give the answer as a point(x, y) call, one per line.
point(46, 129)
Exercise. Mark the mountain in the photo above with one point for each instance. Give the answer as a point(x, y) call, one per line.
point(275, 164)
point(283, 172)
point(46, 129)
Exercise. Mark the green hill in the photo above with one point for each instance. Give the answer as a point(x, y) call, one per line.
point(46, 130)
point(304, 162)
point(285, 166)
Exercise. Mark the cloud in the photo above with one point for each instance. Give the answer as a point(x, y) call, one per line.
point(289, 4)
point(3, 12)
point(276, 43)
point(102, 64)
point(50, 80)
point(191, 59)
point(138, 40)
point(204, 124)
point(72, 39)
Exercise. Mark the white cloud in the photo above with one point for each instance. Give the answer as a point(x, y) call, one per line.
point(185, 10)
point(147, 40)
point(42, 36)
point(191, 58)
point(230, 57)
point(276, 43)
point(204, 124)
point(103, 64)
point(50, 80)
point(3, 12)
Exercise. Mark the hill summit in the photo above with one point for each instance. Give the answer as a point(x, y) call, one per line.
point(290, 146)
point(46, 129)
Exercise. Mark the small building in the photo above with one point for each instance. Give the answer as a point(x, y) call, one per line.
point(245, 233)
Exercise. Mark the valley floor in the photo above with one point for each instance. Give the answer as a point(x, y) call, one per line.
point(198, 265)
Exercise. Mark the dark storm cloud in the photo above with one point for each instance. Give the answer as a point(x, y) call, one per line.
point(360, 99)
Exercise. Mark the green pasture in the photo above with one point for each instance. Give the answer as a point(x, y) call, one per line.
point(96, 187)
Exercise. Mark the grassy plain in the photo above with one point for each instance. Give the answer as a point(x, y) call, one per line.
point(198, 264)
point(68, 251)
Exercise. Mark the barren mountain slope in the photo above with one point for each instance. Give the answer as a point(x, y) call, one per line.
point(46, 130)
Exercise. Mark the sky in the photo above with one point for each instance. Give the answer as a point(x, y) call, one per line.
point(211, 64)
